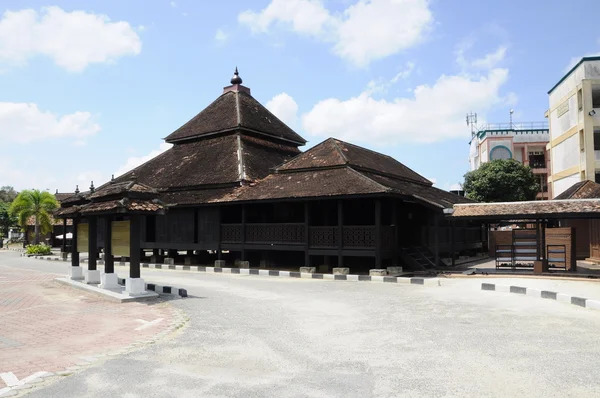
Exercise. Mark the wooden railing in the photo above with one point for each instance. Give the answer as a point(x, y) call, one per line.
point(354, 237)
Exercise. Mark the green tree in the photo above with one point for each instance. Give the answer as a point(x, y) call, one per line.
point(501, 181)
point(37, 204)
point(7, 194)
point(6, 219)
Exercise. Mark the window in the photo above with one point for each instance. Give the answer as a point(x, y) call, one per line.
point(580, 99)
point(581, 141)
point(595, 96)
point(597, 139)
point(597, 177)
point(537, 160)
point(500, 152)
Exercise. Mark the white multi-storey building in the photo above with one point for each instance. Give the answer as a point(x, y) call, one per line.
point(574, 116)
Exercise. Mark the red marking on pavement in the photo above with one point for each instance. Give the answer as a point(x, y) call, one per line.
point(48, 327)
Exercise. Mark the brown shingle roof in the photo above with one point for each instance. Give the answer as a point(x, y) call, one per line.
point(340, 181)
point(120, 188)
point(581, 190)
point(143, 206)
point(212, 161)
point(333, 152)
point(235, 109)
point(531, 210)
point(60, 196)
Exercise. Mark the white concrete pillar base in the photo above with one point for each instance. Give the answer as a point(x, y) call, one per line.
point(135, 286)
point(109, 281)
point(92, 277)
point(75, 273)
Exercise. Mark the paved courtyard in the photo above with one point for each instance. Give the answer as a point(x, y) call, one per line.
point(47, 327)
point(251, 336)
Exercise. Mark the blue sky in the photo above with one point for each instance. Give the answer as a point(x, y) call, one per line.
point(90, 90)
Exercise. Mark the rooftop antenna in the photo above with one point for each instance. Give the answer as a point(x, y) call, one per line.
point(472, 121)
point(511, 113)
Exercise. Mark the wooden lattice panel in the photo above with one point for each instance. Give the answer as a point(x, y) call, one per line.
point(359, 236)
point(323, 237)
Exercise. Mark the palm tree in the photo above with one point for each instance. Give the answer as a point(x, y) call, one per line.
point(37, 204)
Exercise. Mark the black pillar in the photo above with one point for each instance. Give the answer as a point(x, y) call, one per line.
point(340, 232)
point(92, 242)
point(395, 232)
point(543, 256)
point(74, 252)
point(109, 260)
point(134, 246)
point(436, 238)
point(306, 235)
point(538, 250)
point(243, 232)
point(453, 241)
point(219, 210)
point(64, 241)
point(377, 233)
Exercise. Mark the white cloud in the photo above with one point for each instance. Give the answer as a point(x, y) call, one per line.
point(404, 73)
point(73, 40)
point(285, 108)
point(25, 122)
point(455, 187)
point(173, 4)
point(433, 113)
point(221, 36)
point(488, 61)
point(365, 31)
point(136, 161)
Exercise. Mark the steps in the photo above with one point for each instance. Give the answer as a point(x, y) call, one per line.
point(418, 258)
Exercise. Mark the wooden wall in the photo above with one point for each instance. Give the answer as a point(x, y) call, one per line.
point(193, 228)
point(554, 236)
point(499, 238)
point(582, 236)
point(595, 240)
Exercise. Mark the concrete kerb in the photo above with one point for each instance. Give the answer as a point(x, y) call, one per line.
point(544, 294)
point(179, 321)
point(286, 274)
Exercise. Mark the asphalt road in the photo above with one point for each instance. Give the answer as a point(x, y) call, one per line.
point(254, 336)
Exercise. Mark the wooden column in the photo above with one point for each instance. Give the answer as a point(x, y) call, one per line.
point(243, 232)
point(109, 261)
point(74, 252)
point(538, 253)
point(453, 241)
point(340, 231)
point(219, 233)
point(395, 232)
point(543, 232)
point(92, 242)
point(64, 241)
point(378, 233)
point(436, 238)
point(134, 246)
point(306, 235)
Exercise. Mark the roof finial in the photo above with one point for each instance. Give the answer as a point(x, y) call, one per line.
point(236, 79)
point(112, 177)
point(76, 189)
point(56, 191)
point(92, 188)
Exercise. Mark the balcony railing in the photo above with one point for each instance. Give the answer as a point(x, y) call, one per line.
point(326, 237)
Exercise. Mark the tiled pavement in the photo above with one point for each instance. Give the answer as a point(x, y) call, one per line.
point(48, 327)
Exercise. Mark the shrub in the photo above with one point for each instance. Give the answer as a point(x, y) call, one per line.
point(40, 249)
